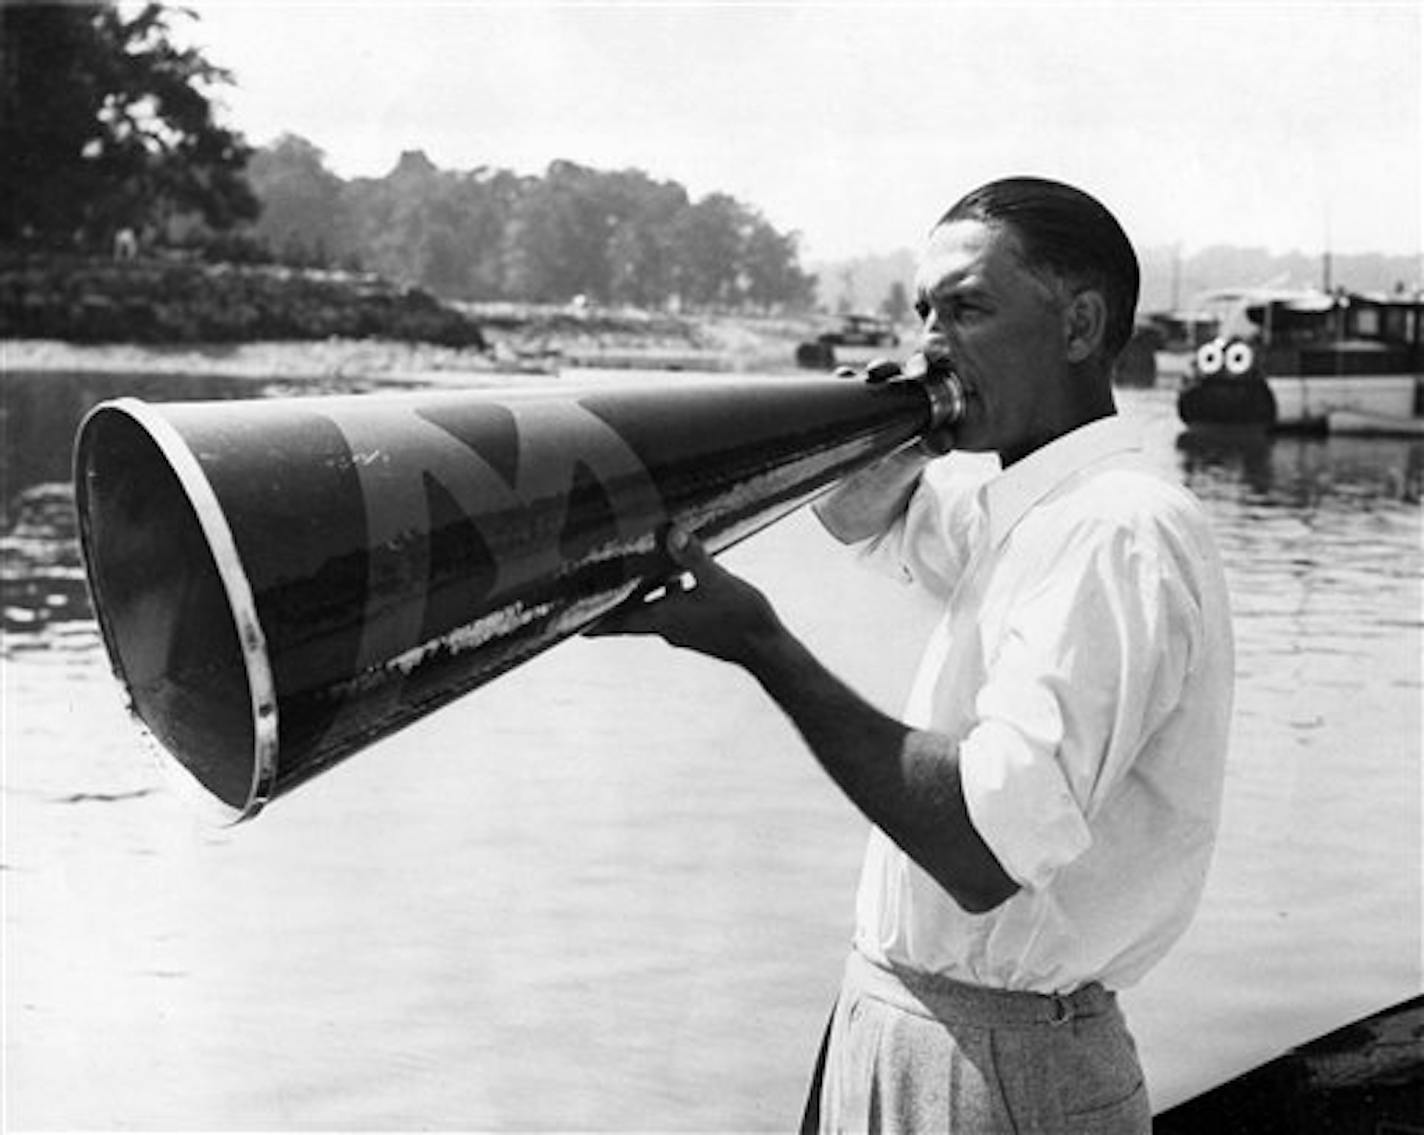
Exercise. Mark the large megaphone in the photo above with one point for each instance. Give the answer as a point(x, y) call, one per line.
point(281, 582)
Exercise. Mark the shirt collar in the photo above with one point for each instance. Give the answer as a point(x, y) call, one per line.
point(1022, 485)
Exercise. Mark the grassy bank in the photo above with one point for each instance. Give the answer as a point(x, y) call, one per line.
point(533, 343)
point(175, 315)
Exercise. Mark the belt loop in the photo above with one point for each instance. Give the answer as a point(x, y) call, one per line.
point(1062, 1010)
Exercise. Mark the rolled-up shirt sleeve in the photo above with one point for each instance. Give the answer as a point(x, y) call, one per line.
point(1089, 665)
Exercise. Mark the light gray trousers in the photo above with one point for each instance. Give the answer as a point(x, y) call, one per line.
point(914, 1053)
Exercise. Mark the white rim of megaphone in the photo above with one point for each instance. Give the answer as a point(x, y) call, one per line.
point(1210, 357)
point(241, 603)
point(1238, 358)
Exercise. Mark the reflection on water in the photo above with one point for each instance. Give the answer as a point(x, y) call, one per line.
point(40, 570)
point(45, 600)
point(1322, 542)
point(601, 978)
point(1303, 472)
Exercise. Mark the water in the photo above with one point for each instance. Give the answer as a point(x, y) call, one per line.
point(611, 891)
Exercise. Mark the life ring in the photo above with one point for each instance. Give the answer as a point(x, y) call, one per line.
point(1210, 357)
point(1239, 358)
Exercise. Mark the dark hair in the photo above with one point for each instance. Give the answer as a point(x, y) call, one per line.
point(1065, 230)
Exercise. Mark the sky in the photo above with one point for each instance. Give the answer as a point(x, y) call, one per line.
point(1285, 125)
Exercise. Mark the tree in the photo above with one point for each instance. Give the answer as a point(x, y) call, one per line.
point(708, 241)
point(483, 200)
point(773, 275)
point(896, 305)
point(304, 216)
point(639, 264)
point(106, 124)
point(641, 251)
point(538, 254)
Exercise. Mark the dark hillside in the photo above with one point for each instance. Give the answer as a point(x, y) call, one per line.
point(160, 300)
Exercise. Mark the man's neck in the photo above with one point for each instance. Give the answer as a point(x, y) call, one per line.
point(1069, 423)
point(1094, 403)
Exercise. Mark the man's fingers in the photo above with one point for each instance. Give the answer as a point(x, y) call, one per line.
point(641, 614)
point(635, 616)
point(690, 554)
point(882, 370)
point(686, 550)
point(677, 585)
point(613, 623)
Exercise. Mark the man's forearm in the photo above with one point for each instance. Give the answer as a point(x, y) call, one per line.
point(865, 504)
point(906, 781)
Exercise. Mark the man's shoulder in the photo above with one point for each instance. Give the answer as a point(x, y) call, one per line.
point(1129, 497)
point(1130, 487)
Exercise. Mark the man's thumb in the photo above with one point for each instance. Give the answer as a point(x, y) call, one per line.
point(685, 550)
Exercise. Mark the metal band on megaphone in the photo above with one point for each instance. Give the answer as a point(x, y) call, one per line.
point(941, 385)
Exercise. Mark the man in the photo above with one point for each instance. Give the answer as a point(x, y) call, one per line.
point(1045, 812)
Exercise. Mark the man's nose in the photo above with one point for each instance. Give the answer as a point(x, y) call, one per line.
point(934, 345)
point(932, 328)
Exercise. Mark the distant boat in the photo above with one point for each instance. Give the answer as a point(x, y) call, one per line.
point(1293, 360)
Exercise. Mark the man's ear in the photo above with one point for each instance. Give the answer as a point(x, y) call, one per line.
point(1085, 324)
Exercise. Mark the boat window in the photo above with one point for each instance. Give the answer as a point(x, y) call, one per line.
point(1294, 325)
point(1365, 322)
point(1399, 324)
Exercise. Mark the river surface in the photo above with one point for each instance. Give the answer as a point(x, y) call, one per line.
point(610, 891)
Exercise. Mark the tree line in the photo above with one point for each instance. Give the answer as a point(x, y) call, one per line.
point(109, 132)
point(617, 237)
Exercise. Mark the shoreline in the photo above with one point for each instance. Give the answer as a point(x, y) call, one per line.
point(327, 358)
point(728, 345)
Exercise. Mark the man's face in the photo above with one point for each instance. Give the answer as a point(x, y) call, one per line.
point(1002, 328)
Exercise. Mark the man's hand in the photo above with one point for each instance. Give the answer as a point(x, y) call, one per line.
point(707, 609)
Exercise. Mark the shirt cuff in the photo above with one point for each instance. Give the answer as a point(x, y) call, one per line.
point(1020, 804)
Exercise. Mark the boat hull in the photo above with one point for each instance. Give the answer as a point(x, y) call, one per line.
point(1307, 402)
point(1365, 1077)
point(1227, 402)
point(1296, 402)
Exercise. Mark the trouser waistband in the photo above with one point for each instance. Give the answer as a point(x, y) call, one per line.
point(945, 999)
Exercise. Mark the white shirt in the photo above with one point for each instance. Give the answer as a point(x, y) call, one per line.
point(1083, 668)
